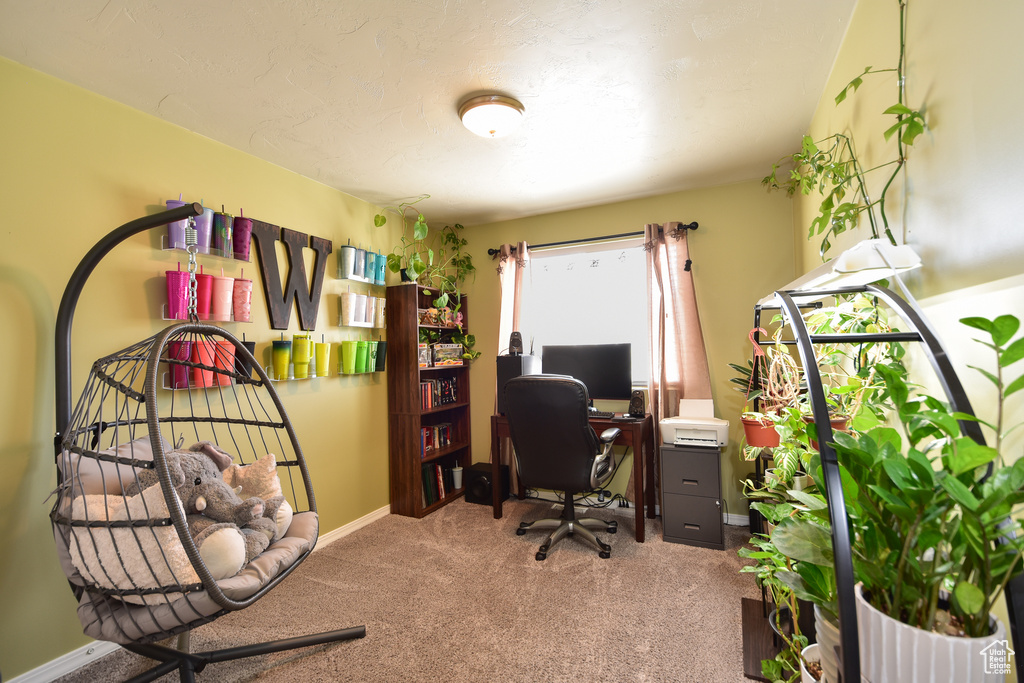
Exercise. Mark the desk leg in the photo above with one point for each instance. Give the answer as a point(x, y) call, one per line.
point(495, 468)
point(652, 487)
point(638, 483)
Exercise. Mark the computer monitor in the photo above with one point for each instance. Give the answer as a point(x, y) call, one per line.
point(606, 369)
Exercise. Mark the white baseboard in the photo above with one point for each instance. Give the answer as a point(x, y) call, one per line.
point(356, 525)
point(87, 654)
point(736, 520)
point(65, 664)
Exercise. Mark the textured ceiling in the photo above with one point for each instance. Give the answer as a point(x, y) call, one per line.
point(623, 98)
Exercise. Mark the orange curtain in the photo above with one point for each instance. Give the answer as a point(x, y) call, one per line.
point(511, 268)
point(679, 361)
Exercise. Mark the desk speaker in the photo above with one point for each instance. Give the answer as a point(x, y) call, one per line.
point(478, 483)
point(636, 404)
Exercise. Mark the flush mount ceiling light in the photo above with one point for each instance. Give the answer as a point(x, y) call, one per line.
point(491, 116)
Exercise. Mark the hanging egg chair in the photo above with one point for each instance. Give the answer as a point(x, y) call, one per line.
point(183, 493)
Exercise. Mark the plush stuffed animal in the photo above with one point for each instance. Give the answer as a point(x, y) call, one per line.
point(228, 531)
point(260, 479)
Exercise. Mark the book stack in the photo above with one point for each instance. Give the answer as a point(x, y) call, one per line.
point(437, 483)
point(437, 392)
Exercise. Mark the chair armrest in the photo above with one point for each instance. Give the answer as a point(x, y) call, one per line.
point(610, 434)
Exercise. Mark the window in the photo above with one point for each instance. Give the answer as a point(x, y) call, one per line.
point(588, 294)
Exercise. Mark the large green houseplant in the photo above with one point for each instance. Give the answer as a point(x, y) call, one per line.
point(933, 538)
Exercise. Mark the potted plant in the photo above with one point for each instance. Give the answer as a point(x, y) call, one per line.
point(407, 258)
point(448, 267)
point(930, 514)
point(773, 382)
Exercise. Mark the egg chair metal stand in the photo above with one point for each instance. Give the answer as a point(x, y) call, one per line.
point(124, 542)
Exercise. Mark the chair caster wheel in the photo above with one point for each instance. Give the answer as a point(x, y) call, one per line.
point(541, 556)
point(520, 532)
point(613, 527)
point(604, 554)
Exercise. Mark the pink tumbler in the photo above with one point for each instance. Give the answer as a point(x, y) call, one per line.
point(179, 350)
point(241, 300)
point(204, 294)
point(220, 298)
point(177, 294)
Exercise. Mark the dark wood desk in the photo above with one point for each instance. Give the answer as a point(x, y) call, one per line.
point(639, 435)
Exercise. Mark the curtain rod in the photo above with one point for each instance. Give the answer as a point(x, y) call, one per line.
point(640, 233)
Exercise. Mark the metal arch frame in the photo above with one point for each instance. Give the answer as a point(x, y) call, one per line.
point(957, 397)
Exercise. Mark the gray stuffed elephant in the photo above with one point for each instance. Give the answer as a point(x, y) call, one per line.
point(214, 510)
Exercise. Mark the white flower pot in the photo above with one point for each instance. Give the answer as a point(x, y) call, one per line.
point(810, 654)
point(827, 635)
point(891, 651)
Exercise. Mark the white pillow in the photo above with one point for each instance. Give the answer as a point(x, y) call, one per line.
point(92, 476)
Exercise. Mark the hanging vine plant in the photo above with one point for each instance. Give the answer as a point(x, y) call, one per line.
point(830, 165)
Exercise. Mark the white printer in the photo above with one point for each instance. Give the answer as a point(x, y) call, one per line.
point(696, 425)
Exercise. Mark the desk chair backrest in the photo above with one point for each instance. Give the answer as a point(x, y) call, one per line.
point(554, 443)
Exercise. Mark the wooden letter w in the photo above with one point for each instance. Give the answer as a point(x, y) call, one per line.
point(279, 299)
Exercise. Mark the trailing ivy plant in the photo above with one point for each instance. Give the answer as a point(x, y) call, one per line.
point(411, 249)
point(831, 166)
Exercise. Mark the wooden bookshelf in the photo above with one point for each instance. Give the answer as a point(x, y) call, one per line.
point(408, 416)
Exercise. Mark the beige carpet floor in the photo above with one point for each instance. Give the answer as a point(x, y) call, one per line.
point(457, 596)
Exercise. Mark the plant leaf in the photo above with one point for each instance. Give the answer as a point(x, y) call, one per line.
point(1003, 329)
point(969, 454)
point(983, 324)
point(1013, 353)
point(970, 598)
point(1014, 386)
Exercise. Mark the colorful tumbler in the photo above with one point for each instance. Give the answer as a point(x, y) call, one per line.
point(203, 352)
point(241, 300)
point(177, 295)
point(281, 356)
point(223, 243)
point(204, 295)
point(179, 351)
point(300, 355)
point(241, 237)
point(225, 361)
point(220, 298)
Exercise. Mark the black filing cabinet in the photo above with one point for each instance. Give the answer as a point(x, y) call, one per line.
point(691, 496)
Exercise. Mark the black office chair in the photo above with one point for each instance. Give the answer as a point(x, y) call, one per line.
point(556, 448)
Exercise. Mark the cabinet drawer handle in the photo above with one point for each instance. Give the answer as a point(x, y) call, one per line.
point(695, 527)
point(691, 482)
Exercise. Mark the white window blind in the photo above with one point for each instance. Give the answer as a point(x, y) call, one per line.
point(592, 293)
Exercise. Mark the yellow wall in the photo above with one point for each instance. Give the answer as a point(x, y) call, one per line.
point(959, 206)
point(741, 251)
point(75, 167)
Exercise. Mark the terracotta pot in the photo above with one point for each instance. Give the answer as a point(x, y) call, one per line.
point(760, 433)
point(838, 423)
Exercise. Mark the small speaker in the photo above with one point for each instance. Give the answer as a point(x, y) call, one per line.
point(514, 366)
point(478, 483)
point(636, 404)
point(515, 344)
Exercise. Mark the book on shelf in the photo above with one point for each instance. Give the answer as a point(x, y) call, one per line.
point(437, 392)
point(437, 483)
point(434, 437)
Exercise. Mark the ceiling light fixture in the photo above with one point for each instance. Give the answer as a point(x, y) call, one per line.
point(491, 116)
